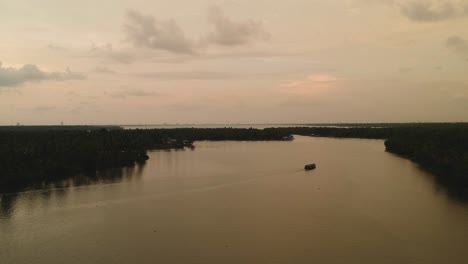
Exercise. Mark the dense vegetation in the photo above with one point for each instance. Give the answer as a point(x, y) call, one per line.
point(29, 155)
point(38, 154)
point(442, 150)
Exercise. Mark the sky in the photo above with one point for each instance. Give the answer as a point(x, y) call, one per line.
point(233, 61)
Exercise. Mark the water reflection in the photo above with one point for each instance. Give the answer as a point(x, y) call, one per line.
point(7, 203)
point(452, 189)
point(59, 189)
point(441, 184)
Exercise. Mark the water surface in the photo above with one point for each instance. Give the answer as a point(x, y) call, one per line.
point(243, 202)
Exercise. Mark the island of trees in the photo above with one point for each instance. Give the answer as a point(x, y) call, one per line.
point(31, 155)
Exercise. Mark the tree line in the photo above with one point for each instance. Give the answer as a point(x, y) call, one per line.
point(37, 154)
point(29, 155)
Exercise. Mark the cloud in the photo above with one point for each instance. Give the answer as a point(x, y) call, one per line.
point(230, 33)
point(31, 73)
point(145, 31)
point(108, 52)
point(457, 44)
point(427, 10)
point(418, 10)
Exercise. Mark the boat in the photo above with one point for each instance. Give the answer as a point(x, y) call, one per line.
point(310, 166)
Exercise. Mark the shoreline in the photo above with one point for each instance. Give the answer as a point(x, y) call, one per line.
point(29, 156)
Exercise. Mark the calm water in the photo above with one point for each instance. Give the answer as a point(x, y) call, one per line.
point(243, 202)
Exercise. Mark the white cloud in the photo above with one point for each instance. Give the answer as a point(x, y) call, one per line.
point(10, 76)
point(427, 10)
point(230, 33)
point(145, 31)
point(418, 10)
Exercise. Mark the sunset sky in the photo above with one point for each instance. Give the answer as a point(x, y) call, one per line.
point(243, 61)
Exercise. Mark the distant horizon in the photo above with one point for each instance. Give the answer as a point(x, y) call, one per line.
point(236, 124)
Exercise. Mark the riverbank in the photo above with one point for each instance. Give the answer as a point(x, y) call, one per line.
point(36, 154)
point(440, 148)
point(30, 155)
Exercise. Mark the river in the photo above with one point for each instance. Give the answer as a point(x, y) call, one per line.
point(243, 202)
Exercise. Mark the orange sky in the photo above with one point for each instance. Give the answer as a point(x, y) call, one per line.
point(123, 62)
